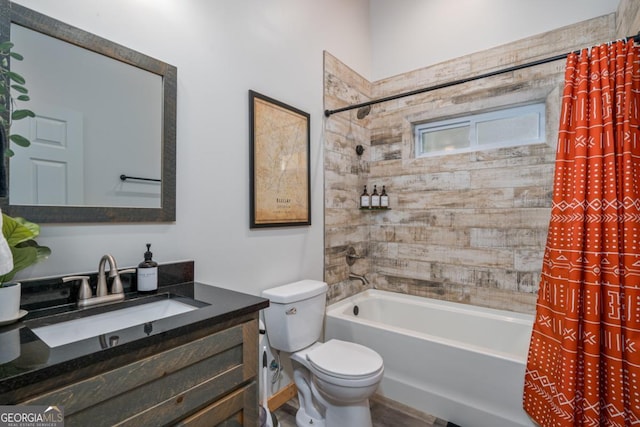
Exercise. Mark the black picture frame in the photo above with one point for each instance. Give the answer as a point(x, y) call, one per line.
point(280, 176)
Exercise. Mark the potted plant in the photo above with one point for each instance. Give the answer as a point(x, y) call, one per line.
point(19, 235)
point(10, 83)
point(10, 80)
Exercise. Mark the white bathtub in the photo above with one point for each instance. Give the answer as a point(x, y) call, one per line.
point(462, 363)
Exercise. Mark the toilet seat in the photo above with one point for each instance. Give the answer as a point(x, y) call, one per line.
point(346, 363)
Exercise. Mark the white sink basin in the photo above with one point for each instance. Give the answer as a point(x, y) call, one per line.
point(91, 326)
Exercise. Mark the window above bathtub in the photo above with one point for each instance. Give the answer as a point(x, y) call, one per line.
point(499, 128)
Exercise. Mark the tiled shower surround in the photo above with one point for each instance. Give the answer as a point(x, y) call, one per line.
point(464, 227)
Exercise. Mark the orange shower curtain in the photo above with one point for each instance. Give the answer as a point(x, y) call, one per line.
point(583, 367)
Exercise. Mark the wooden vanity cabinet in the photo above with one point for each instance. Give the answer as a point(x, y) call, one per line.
point(208, 380)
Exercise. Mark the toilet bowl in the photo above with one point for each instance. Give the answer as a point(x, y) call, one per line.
point(340, 384)
point(334, 379)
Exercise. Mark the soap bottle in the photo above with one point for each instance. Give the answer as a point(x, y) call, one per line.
point(364, 199)
point(375, 198)
point(148, 273)
point(384, 199)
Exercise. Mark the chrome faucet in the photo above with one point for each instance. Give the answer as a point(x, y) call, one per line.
point(102, 279)
point(85, 296)
point(113, 341)
point(363, 279)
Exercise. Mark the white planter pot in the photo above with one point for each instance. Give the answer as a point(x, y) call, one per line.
point(9, 302)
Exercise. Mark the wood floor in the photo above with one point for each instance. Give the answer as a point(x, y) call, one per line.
point(384, 413)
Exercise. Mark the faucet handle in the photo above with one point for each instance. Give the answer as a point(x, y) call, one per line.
point(85, 289)
point(116, 287)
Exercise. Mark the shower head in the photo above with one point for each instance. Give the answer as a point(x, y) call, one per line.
point(363, 112)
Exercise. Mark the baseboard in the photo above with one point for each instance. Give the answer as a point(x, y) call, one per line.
point(282, 396)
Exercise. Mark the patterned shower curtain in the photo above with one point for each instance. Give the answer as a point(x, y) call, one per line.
point(583, 367)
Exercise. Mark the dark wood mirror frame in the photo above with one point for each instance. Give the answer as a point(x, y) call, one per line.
point(14, 13)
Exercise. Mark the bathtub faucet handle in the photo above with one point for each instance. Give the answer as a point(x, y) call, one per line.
point(352, 256)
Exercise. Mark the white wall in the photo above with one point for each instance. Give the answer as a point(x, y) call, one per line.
point(411, 34)
point(222, 48)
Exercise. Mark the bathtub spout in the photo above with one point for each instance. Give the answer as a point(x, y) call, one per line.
point(363, 279)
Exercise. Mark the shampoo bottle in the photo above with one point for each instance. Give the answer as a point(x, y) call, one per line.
point(384, 199)
point(364, 199)
point(148, 273)
point(375, 198)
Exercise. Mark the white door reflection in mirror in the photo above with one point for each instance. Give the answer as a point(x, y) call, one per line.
point(121, 107)
point(50, 171)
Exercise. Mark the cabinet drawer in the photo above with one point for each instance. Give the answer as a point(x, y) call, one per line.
point(162, 388)
point(239, 408)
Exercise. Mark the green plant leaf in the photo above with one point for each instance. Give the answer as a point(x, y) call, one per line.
point(22, 258)
point(20, 234)
point(18, 230)
point(32, 226)
point(11, 81)
point(6, 46)
point(16, 77)
point(19, 140)
point(19, 88)
point(21, 114)
point(24, 255)
point(42, 252)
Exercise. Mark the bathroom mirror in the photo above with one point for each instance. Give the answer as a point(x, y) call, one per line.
point(109, 109)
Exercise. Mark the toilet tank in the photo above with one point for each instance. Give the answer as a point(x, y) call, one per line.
point(295, 314)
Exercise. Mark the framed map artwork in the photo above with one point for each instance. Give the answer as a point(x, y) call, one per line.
point(279, 164)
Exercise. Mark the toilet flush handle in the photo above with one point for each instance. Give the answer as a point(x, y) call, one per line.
point(291, 311)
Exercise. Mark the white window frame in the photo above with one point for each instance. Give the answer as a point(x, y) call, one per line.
point(472, 121)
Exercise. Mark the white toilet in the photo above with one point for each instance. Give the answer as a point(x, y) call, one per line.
point(334, 379)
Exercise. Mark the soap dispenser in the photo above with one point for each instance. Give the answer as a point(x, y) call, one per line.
point(148, 273)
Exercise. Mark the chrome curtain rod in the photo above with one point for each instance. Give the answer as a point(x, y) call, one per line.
point(328, 113)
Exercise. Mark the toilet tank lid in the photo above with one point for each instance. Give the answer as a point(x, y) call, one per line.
point(296, 291)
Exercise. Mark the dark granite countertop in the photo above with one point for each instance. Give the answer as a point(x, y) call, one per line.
point(25, 359)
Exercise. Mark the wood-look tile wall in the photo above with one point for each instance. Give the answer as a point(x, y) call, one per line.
point(465, 227)
point(344, 173)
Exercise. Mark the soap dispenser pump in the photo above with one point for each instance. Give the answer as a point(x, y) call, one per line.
point(148, 273)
